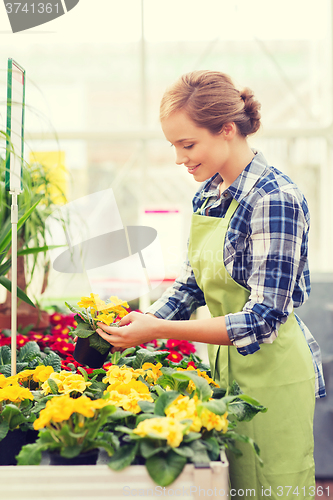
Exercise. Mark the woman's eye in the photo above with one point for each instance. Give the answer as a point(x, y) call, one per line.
point(189, 147)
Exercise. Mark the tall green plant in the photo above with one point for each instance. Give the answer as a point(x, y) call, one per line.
point(35, 205)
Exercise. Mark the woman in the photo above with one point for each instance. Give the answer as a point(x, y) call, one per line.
point(247, 260)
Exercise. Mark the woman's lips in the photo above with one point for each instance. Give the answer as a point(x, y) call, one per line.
point(191, 170)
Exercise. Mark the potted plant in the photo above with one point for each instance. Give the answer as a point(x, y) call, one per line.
point(16, 417)
point(35, 205)
point(190, 421)
point(71, 430)
point(150, 416)
point(91, 349)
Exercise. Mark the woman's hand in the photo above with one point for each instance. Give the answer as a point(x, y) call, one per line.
point(134, 329)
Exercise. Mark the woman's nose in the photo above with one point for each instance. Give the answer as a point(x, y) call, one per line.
point(181, 158)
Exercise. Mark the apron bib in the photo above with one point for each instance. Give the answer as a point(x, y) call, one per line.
point(279, 375)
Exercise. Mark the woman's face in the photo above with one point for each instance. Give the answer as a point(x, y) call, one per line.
point(202, 152)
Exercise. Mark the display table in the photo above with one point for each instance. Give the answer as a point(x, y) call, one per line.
point(99, 482)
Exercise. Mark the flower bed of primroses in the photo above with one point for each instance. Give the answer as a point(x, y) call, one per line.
point(153, 405)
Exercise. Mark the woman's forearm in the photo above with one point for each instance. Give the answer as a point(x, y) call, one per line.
point(209, 331)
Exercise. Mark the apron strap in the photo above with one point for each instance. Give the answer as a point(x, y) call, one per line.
point(231, 209)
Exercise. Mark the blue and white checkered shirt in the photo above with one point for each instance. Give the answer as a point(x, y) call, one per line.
point(265, 251)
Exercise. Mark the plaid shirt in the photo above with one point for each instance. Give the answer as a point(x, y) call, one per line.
point(265, 251)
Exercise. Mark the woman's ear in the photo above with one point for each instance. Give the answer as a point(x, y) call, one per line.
point(229, 130)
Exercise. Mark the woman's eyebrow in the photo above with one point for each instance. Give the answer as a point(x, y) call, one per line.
point(183, 140)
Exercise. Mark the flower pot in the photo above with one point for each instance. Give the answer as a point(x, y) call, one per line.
point(11, 445)
point(87, 355)
point(87, 458)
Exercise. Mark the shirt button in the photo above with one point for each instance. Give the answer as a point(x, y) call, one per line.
point(225, 195)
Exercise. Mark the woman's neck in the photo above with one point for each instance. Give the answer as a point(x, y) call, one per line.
point(240, 156)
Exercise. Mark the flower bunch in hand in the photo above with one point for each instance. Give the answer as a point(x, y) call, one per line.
point(94, 309)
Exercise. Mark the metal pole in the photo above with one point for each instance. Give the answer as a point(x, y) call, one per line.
point(14, 221)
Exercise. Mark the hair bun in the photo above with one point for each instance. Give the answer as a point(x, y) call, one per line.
point(251, 108)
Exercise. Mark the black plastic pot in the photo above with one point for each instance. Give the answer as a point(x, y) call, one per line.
point(11, 446)
point(87, 355)
point(88, 458)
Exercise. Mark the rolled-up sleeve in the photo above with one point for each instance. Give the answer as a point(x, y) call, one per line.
point(276, 253)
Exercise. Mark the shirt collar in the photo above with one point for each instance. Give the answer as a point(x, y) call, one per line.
point(244, 182)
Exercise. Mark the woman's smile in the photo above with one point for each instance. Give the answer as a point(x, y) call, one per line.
point(192, 169)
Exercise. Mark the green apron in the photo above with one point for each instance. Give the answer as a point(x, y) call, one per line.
point(280, 375)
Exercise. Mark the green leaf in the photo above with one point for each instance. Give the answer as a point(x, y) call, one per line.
point(149, 448)
point(123, 457)
point(203, 389)
point(71, 451)
point(101, 443)
point(120, 414)
point(99, 343)
point(184, 451)
point(4, 428)
point(5, 355)
point(200, 452)
point(52, 359)
point(164, 470)
point(83, 330)
point(29, 351)
point(31, 454)
point(83, 373)
point(34, 250)
point(147, 406)
point(216, 406)
point(13, 416)
point(7, 239)
point(245, 408)
point(53, 385)
point(164, 401)
point(145, 356)
point(218, 393)
point(191, 436)
point(20, 293)
point(212, 447)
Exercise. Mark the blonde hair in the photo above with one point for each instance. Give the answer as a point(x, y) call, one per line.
point(210, 99)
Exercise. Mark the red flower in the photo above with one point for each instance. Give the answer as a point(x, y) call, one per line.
point(69, 320)
point(56, 318)
point(186, 347)
point(175, 356)
point(21, 340)
point(191, 363)
point(45, 341)
point(172, 343)
point(63, 347)
point(5, 340)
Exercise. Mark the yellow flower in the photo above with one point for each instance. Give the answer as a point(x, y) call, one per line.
point(25, 375)
point(212, 421)
point(42, 373)
point(115, 398)
point(56, 410)
point(117, 306)
point(153, 372)
point(61, 408)
point(118, 375)
point(106, 318)
point(15, 393)
point(86, 302)
point(138, 386)
point(3, 381)
point(66, 382)
point(162, 428)
point(185, 408)
point(131, 403)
